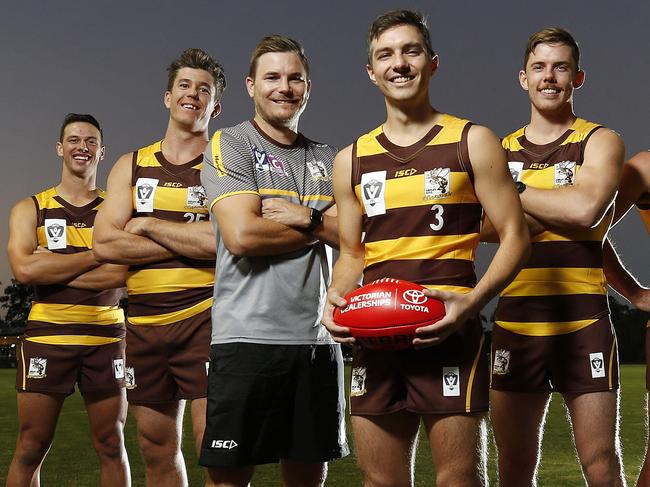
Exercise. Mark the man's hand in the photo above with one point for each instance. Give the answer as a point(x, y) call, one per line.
point(458, 309)
point(137, 225)
point(282, 211)
point(641, 299)
point(340, 334)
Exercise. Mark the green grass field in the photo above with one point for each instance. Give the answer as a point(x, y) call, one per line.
point(72, 461)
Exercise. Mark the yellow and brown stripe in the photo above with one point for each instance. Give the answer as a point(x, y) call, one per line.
point(64, 315)
point(169, 291)
point(422, 237)
point(561, 289)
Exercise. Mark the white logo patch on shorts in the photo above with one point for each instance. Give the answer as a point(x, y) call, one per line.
point(358, 381)
point(56, 234)
point(597, 364)
point(501, 364)
point(207, 368)
point(129, 376)
point(37, 367)
point(450, 381)
point(118, 368)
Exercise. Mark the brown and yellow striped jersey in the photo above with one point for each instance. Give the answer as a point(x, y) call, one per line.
point(162, 293)
point(65, 315)
point(561, 289)
point(421, 217)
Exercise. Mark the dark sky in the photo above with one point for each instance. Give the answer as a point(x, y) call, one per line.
point(109, 59)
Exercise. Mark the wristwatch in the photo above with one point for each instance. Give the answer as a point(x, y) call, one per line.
point(315, 219)
point(521, 187)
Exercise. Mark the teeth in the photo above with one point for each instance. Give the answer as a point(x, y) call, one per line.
point(191, 107)
point(402, 79)
point(82, 158)
point(550, 91)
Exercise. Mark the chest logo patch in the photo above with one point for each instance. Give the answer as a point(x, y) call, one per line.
point(318, 171)
point(437, 183)
point(373, 190)
point(55, 232)
point(515, 170)
point(145, 191)
point(268, 162)
point(196, 197)
point(565, 173)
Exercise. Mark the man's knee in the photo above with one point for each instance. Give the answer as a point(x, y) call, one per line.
point(158, 448)
point(298, 474)
point(460, 474)
point(381, 478)
point(109, 446)
point(601, 465)
point(31, 450)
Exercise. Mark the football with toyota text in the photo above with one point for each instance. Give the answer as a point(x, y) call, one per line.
point(386, 313)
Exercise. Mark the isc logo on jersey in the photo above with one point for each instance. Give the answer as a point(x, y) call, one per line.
point(224, 444)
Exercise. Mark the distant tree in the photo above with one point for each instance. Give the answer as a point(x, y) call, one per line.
point(16, 303)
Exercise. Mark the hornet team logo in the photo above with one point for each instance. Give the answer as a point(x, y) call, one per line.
point(318, 171)
point(565, 172)
point(414, 296)
point(437, 183)
point(129, 378)
point(501, 364)
point(196, 197)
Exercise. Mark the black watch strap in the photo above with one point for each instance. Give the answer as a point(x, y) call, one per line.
point(521, 187)
point(315, 219)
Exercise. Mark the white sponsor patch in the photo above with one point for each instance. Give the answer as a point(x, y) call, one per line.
point(196, 197)
point(56, 234)
point(37, 368)
point(207, 368)
point(437, 183)
point(118, 368)
point(565, 173)
point(373, 191)
point(224, 444)
point(501, 365)
point(318, 171)
point(450, 381)
point(515, 170)
point(145, 190)
point(597, 364)
point(358, 381)
point(129, 376)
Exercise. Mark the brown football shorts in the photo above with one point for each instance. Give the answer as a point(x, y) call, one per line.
point(450, 378)
point(169, 362)
point(55, 369)
point(582, 361)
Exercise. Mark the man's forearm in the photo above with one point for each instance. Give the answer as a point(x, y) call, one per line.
point(194, 240)
point(43, 268)
point(121, 247)
point(105, 276)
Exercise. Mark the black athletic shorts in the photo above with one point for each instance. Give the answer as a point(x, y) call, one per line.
point(269, 402)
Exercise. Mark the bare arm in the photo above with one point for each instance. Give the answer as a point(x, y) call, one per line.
point(111, 242)
point(246, 233)
point(31, 266)
point(500, 201)
point(584, 203)
point(349, 266)
point(105, 276)
point(619, 278)
point(489, 234)
point(195, 240)
point(299, 217)
point(635, 181)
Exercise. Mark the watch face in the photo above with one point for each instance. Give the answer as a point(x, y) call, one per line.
point(520, 186)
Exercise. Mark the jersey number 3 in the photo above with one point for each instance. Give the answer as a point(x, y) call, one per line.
point(438, 221)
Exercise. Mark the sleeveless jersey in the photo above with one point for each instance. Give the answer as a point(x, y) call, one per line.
point(162, 293)
point(561, 289)
point(421, 217)
point(63, 315)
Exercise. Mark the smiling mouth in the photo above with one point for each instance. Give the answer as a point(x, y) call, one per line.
point(401, 79)
point(189, 106)
point(550, 91)
point(81, 157)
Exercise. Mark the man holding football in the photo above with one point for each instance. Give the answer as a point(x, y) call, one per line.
point(416, 188)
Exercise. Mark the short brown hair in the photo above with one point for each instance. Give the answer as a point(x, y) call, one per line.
point(277, 43)
point(198, 59)
point(399, 17)
point(80, 117)
point(553, 35)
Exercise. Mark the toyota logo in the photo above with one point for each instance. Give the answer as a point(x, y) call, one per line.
point(414, 296)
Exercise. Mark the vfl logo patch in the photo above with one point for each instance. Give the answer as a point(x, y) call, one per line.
point(268, 162)
point(118, 368)
point(515, 170)
point(437, 183)
point(597, 365)
point(501, 364)
point(565, 172)
point(145, 191)
point(224, 444)
point(129, 378)
point(358, 381)
point(318, 171)
point(37, 368)
point(373, 188)
point(196, 197)
point(450, 381)
point(56, 233)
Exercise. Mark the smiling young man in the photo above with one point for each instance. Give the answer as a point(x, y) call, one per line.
point(416, 188)
point(75, 329)
point(275, 383)
point(155, 220)
point(553, 331)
